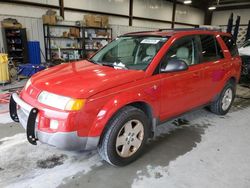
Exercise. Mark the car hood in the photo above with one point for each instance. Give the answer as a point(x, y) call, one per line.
point(82, 79)
point(244, 51)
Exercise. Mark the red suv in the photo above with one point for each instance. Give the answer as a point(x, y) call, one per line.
point(115, 100)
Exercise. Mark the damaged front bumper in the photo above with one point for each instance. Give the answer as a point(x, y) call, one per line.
point(26, 114)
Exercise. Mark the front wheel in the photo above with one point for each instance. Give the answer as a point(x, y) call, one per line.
point(224, 102)
point(125, 137)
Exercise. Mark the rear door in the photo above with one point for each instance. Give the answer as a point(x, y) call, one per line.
point(234, 59)
point(181, 91)
point(213, 62)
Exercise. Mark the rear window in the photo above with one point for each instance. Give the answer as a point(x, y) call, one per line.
point(231, 45)
point(211, 50)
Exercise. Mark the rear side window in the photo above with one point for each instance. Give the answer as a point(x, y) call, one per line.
point(231, 45)
point(211, 50)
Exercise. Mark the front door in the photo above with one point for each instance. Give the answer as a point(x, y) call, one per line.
point(180, 91)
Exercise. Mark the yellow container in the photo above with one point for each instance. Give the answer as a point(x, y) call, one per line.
point(4, 70)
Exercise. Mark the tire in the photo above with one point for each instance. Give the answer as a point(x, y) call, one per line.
point(225, 100)
point(125, 137)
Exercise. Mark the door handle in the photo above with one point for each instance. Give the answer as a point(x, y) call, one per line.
point(155, 87)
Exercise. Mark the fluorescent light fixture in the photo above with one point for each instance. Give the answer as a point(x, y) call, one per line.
point(186, 2)
point(212, 8)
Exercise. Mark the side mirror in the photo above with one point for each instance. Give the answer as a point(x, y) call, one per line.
point(175, 65)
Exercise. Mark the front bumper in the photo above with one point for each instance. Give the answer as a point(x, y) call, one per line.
point(27, 116)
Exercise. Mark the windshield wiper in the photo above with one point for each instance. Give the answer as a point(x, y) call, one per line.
point(92, 61)
point(107, 64)
point(115, 65)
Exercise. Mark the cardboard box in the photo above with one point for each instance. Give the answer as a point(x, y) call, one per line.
point(11, 25)
point(93, 21)
point(51, 20)
point(102, 34)
point(105, 21)
point(74, 32)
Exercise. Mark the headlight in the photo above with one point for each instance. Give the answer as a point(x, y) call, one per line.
point(60, 102)
point(28, 83)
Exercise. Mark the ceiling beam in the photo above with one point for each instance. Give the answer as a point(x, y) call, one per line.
point(131, 5)
point(173, 13)
point(61, 3)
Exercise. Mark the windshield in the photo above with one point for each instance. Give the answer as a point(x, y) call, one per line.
point(129, 52)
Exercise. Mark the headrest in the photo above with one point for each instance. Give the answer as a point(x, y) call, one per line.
point(151, 51)
point(182, 53)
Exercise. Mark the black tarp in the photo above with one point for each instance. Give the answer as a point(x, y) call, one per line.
point(248, 31)
point(236, 28)
point(230, 23)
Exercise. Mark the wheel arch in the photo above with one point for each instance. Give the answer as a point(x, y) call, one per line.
point(140, 104)
point(232, 80)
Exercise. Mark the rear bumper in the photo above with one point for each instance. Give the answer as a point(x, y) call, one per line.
point(27, 116)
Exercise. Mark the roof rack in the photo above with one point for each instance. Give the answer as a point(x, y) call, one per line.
point(138, 32)
point(191, 29)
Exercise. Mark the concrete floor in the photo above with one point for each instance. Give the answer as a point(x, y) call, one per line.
point(207, 151)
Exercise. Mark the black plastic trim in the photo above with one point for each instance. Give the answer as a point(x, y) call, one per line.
point(31, 124)
point(13, 110)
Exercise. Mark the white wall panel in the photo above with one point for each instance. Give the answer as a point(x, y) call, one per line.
point(109, 6)
point(182, 26)
point(34, 29)
point(187, 14)
point(156, 9)
point(114, 20)
point(149, 24)
point(48, 2)
point(119, 29)
point(221, 17)
point(21, 10)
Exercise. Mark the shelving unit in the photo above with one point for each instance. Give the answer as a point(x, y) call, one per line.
point(15, 41)
point(69, 48)
point(96, 38)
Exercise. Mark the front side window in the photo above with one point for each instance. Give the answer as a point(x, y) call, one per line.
point(231, 45)
point(184, 49)
point(130, 52)
point(211, 50)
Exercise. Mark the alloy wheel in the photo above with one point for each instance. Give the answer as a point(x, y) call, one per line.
point(129, 138)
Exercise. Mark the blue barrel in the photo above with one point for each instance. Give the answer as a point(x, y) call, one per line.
point(34, 52)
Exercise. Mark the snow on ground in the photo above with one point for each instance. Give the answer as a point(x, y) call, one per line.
point(221, 159)
point(24, 165)
point(5, 118)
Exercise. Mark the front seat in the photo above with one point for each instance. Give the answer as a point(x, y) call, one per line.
point(150, 53)
point(183, 54)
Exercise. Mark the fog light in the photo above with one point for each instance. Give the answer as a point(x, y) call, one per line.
point(54, 124)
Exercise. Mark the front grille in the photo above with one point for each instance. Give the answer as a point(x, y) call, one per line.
point(23, 116)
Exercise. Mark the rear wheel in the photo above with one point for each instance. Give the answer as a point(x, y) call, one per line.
point(224, 102)
point(125, 137)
